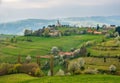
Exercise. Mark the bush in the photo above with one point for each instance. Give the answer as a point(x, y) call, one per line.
point(91, 71)
point(103, 71)
point(27, 68)
point(77, 72)
point(14, 69)
point(60, 73)
point(28, 58)
point(4, 67)
point(107, 35)
point(38, 72)
point(112, 69)
point(72, 67)
point(55, 50)
point(89, 43)
point(81, 62)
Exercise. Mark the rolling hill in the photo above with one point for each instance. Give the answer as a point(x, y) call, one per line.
point(18, 27)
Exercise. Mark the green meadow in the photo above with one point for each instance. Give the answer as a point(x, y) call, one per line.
point(23, 78)
point(41, 45)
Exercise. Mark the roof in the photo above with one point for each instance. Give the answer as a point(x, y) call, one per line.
point(66, 53)
point(96, 32)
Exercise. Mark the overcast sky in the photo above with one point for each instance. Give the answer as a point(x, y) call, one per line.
point(11, 10)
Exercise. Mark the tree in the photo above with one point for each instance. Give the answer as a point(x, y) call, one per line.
point(118, 29)
point(54, 50)
point(73, 67)
point(28, 32)
point(81, 62)
point(83, 51)
point(98, 27)
point(116, 34)
point(60, 73)
point(112, 69)
point(28, 58)
point(46, 32)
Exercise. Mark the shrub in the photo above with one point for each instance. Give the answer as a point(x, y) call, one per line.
point(107, 35)
point(81, 62)
point(103, 71)
point(112, 69)
point(91, 71)
point(68, 73)
point(14, 69)
point(89, 43)
point(28, 58)
point(118, 43)
point(76, 52)
point(60, 73)
point(72, 67)
point(38, 72)
point(54, 50)
point(88, 54)
point(4, 67)
point(27, 68)
point(116, 34)
point(77, 72)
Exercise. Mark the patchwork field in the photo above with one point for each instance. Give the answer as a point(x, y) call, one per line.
point(41, 46)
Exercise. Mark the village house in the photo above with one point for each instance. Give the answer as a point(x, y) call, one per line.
point(89, 31)
point(97, 32)
point(66, 54)
point(55, 33)
point(112, 26)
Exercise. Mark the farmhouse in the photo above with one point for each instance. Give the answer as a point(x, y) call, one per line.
point(55, 33)
point(66, 54)
point(97, 32)
point(113, 26)
point(89, 31)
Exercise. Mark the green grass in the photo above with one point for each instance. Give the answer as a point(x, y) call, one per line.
point(98, 63)
point(41, 45)
point(108, 45)
point(22, 78)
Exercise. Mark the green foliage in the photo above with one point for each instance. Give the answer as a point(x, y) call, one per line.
point(118, 29)
point(77, 72)
point(90, 71)
point(55, 50)
point(4, 67)
point(38, 72)
point(14, 69)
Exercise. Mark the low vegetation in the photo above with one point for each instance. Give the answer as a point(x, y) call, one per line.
point(23, 78)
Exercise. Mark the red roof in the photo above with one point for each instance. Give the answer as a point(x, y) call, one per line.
point(89, 31)
point(66, 53)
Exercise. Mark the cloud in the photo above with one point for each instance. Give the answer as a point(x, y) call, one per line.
point(54, 3)
point(23, 9)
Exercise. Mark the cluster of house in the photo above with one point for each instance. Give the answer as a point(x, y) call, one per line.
point(104, 31)
point(66, 54)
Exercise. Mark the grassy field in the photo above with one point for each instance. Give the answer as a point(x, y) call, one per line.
point(107, 48)
point(41, 45)
point(23, 78)
point(98, 63)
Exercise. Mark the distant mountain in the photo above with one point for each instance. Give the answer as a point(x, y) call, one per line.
point(18, 27)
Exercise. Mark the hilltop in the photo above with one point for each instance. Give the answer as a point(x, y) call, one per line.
point(18, 27)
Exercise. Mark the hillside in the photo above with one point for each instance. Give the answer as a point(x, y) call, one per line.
point(23, 78)
point(41, 45)
point(18, 27)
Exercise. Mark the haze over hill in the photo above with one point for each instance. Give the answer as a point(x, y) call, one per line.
point(18, 27)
